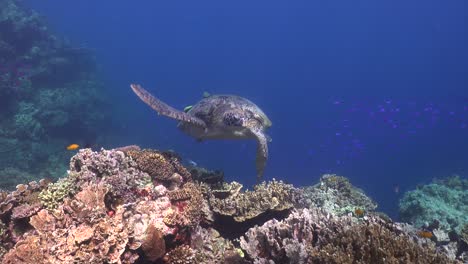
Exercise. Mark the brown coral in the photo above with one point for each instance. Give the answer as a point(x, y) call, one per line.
point(154, 245)
point(43, 222)
point(77, 231)
point(29, 250)
point(313, 236)
point(161, 166)
point(210, 247)
point(373, 243)
point(111, 167)
point(180, 255)
point(189, 206)
point(242, 206)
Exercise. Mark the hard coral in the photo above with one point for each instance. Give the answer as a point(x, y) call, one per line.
point(372, 243)
point(242, 206)
point(210, 247)
point(281, 241)
point(164, 167)
point(154, 245)
point(337, 195)
point(314, 236)
point(112, 168)
point(189, 206)
point(29, 250)
point(443, 201)
point(180, 255)
point(77, 231)
point(56, 192)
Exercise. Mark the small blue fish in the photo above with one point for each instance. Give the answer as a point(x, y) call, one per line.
point(192, 163)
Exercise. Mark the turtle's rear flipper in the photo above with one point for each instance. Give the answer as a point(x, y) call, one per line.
point(164, 109)
point(262, 152)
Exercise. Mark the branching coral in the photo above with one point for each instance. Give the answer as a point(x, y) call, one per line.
point(56, 192)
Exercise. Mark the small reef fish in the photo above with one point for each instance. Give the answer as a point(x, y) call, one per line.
point(187, 108)
point(192, 163)
point(359, 212)
point(425, 234)
point(206, 94)
point(73, 147)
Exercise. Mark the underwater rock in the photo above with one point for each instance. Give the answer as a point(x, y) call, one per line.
point(444, 201)
point(336, 195)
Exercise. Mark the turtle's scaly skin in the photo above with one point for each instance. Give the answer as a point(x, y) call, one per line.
point(218, 117)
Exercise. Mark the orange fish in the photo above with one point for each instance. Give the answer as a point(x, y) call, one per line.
point(359, 212)
point(425, 234)
point(73, 147)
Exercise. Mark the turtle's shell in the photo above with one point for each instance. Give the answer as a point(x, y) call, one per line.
point(228, 110)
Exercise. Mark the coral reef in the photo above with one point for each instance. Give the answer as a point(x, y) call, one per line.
point(312, 236)
point(164, 167)
point(56, 192)
point(444, 201)
point(50, 95)
point(108, 210)
point(336, 195)
point(242, 206)
point(113, 168)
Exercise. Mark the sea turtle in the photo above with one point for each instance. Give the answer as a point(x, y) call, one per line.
point(218, 117)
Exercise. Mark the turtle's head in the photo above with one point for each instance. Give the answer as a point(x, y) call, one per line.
point(263, 119)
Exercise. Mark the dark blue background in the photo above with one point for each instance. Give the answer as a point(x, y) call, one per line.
point(322, 70)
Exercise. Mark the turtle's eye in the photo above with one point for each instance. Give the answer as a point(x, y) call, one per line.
point(231, 119)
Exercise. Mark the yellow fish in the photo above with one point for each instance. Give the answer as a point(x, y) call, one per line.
point(73, 147)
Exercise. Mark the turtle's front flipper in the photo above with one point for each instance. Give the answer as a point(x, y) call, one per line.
point(262, 152)
point(164, 109)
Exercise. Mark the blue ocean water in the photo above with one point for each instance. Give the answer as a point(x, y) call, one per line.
point(376, 91)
